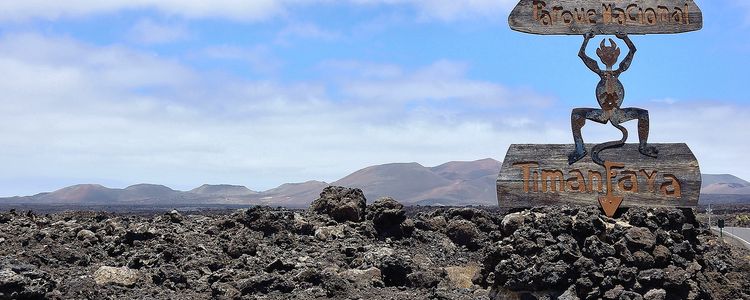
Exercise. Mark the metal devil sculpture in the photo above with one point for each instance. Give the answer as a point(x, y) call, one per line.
point(610, 94)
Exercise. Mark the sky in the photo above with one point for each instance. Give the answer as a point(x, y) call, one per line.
point(264, 92)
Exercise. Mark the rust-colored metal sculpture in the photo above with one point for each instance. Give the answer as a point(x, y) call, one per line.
point(610, 95)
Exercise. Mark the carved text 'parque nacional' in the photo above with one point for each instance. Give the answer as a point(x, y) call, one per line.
point(606, 17)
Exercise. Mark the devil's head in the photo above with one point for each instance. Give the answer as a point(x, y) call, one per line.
point(608, 54)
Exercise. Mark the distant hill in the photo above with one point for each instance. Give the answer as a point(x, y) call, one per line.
point(724, 189)
point(709, 179)
point(223, 190)
point(401, 181)
point(86, 193)
point(452, 183)
point(724, 184)
point(293, 194)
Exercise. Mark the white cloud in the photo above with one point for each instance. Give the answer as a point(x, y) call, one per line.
point(449, 10)
point(147, 31)
point(305, 31)
point(239, 10)
point(72, 110)
point(230, 9)
point(716, 132)
point(441, 81)
point(259, 59)
point(112, 114)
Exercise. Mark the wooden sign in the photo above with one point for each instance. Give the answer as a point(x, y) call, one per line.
point(533, 175)
point(577, 17)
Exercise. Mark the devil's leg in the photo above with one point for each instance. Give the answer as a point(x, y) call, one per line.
point(577, 121)
point(643, 128)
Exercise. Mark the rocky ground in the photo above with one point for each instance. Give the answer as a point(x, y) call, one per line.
point(342, 249)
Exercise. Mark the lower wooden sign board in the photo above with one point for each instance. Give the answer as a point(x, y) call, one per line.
point(539, 174)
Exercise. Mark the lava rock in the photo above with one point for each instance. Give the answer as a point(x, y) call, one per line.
point(651, 277)
point(661, 255)
point(341, 204)
point(330, 232)
point(511, 222)
point(264, 284)
point(461, 277)
point(387, 215)
point(365, 278)
point(395, 271)
point(655, 294)
point(265, 219)
point(334, 285)
point(273, 253)
point(23, 281)
point(423, 279)
point(630, 295)
point(175, 216)
point(593, 247)
point(279, 266)
point(241, 245)
point(437, 223)
point(464, 233)
point(643, 260)
point(640, 238)
point(120, 276)
point(87, 235)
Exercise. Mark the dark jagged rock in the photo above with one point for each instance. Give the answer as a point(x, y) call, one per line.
point(23, 281)
point(640, 238)
point(395, 271)
point(341, 204)
point(464, 233)
point(265, 219)
point(387, 217)
point(578, 253)
point(241, 245)
point(264, 284)
point(279, 266)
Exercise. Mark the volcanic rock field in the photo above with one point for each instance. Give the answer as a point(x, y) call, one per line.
point(341, 248)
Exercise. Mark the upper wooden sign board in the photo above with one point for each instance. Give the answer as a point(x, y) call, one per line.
point(574, 17)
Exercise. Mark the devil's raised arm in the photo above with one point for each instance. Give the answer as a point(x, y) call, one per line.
point(588, 61)
point(625, 64)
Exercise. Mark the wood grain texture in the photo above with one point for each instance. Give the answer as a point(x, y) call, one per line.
point(674, 160)
point(577, 17)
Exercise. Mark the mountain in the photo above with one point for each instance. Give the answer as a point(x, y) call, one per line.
point(452, 183)
point(724, 184)
point(223, 190)
point(709, 179)
point(293, 194)
point(81, 193)
point(400, 181)
point(724, 189)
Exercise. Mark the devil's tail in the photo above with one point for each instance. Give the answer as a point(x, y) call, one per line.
point(613, 144)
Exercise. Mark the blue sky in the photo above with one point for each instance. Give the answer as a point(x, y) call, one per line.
point(263, 92)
